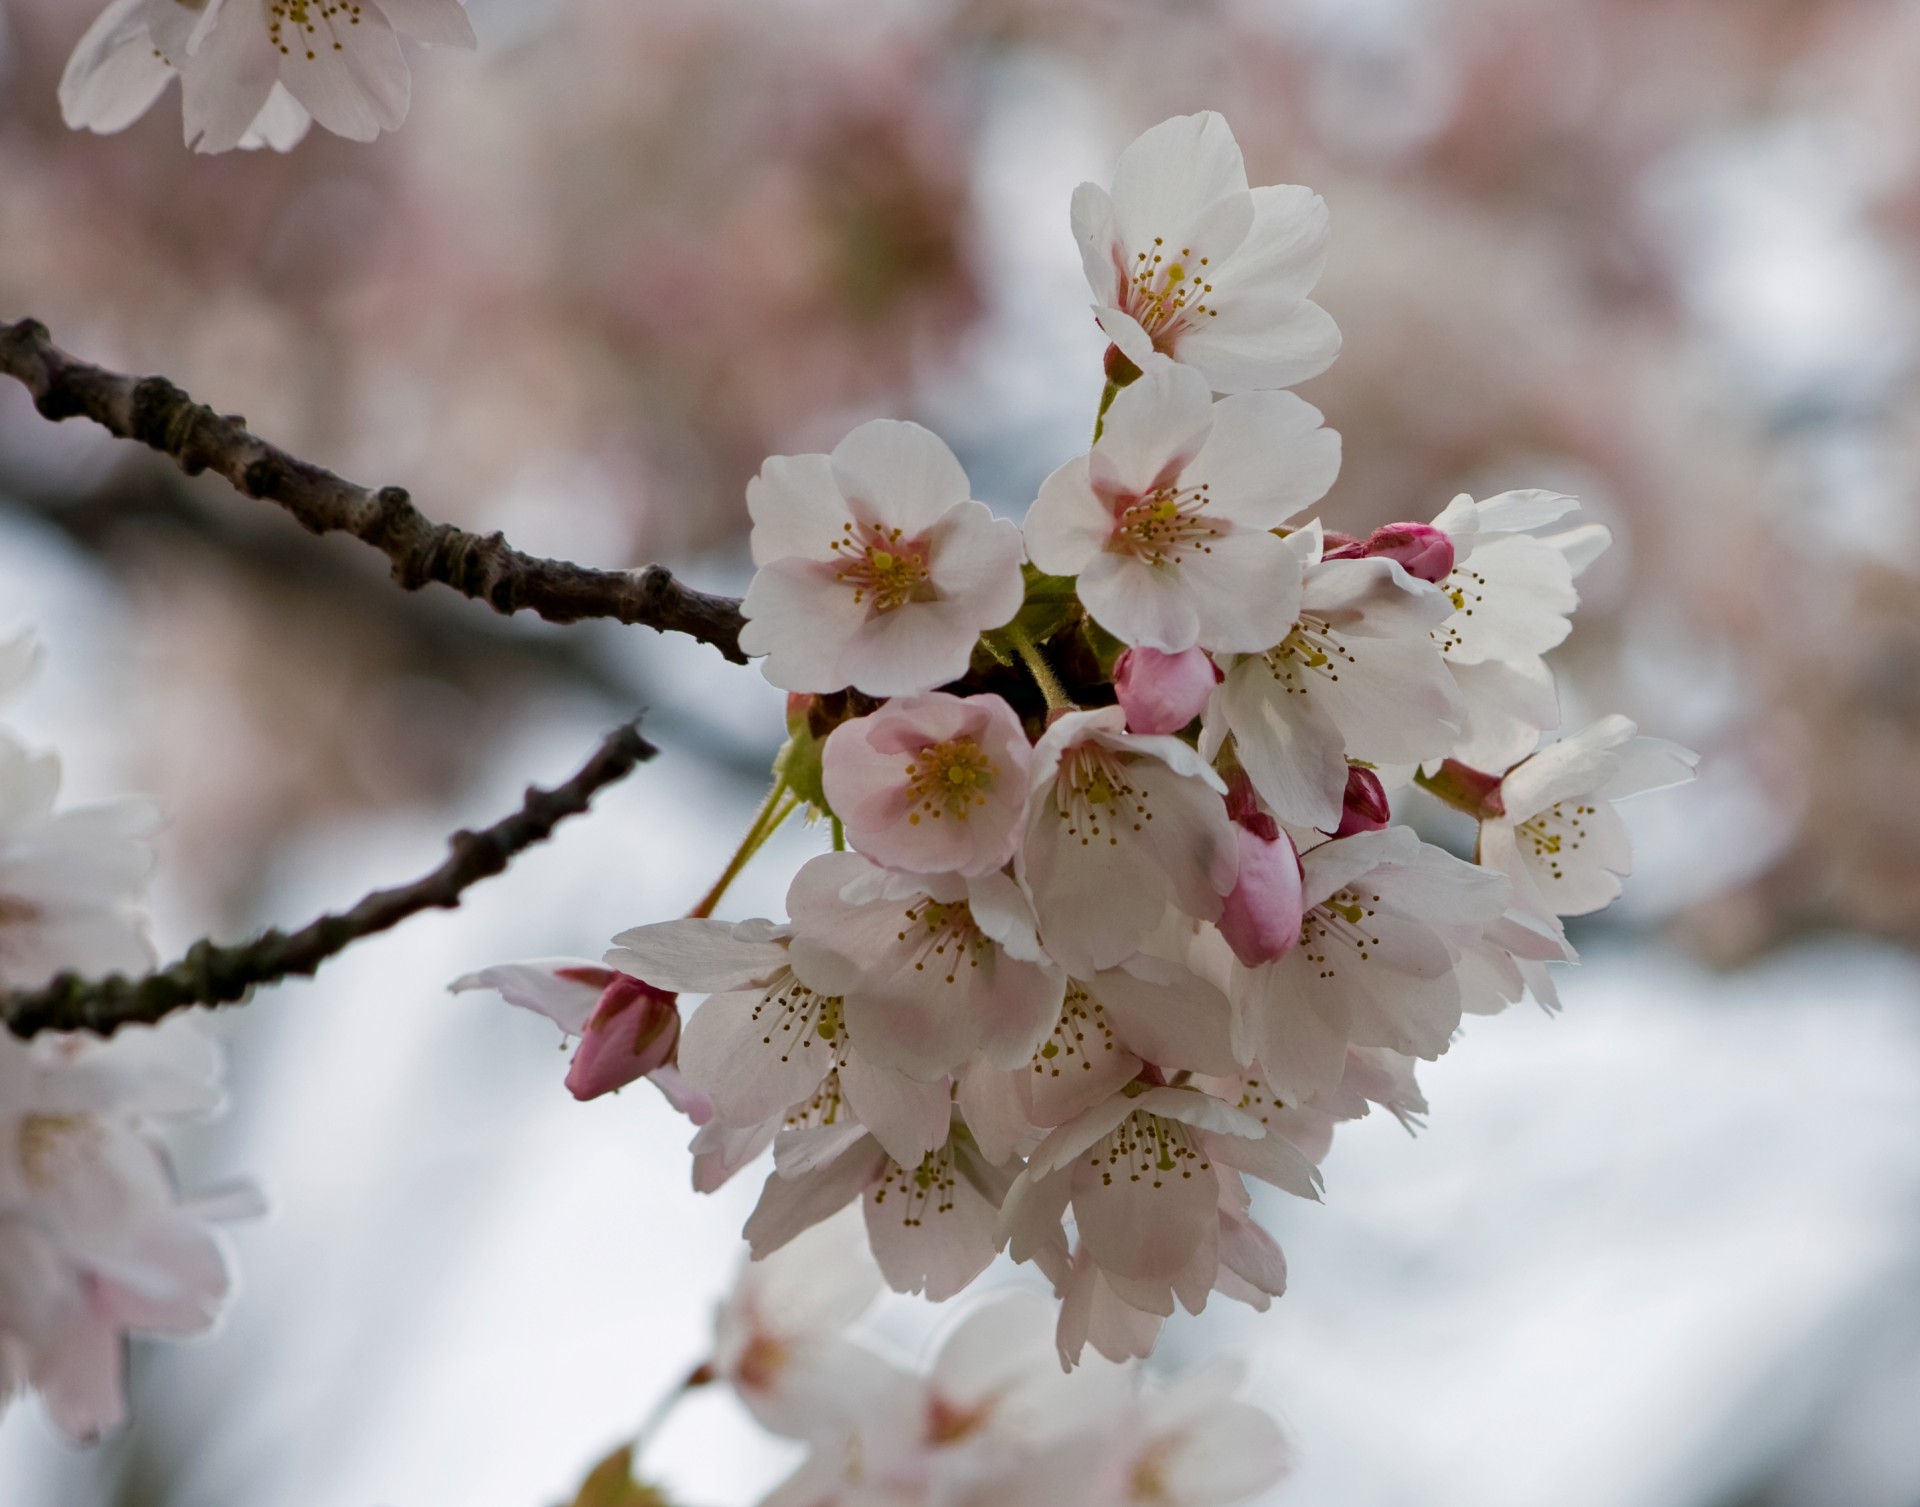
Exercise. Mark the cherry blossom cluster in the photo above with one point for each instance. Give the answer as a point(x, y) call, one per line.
point(1127, 917)
point(95, 1240)
point(992, 1423)
point(255, 73)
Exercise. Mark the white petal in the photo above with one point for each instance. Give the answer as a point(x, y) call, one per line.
point(802, 620)
point(932, 1227)
point(1155, 426)
point(1254, 352)
point(755, 1052)
point(907, 1117)
point(1172, 175)
point(1291, 748)
point(1091, 216)
point(433, 21)
point(543, 986)
point(797, 509)
point(114, 74)
point(281, 125)
point(1067, 524)
point(1267, 457)
point(695, 956)
point(226, 82)
point(789, 1205)
point(349, 72)
point(898, 475)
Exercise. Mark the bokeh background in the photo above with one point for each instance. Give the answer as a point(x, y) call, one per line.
point(1661, 1251)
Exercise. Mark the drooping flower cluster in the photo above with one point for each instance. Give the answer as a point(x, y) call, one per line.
point(991, 1423)
point(255, 73)
point(1127, 918)
point(95, 1241)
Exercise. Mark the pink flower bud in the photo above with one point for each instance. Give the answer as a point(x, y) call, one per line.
point(1261, 921)
point(634, 1029)
point(1162, 693)
point(1421, 549)
point(1365, 807)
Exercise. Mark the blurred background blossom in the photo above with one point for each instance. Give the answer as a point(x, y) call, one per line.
point(1661, 1250)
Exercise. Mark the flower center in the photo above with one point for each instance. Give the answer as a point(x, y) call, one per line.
point(823, 1107)
point(1340, 920)
point(1080, 1035)
point(306, 17)
point(917, 1191)
point(1559, 829)
point(884, 567)
point(1148, 1149)
point(1165, 525)
point(1167, 293)
point(1093, 796)
point(1466, 589)
point(1311, 647)
point(942, 933)
point(949, 779)
point(795, 1019)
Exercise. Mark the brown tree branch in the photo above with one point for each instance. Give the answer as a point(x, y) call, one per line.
point(484, 567)
point(215, 975)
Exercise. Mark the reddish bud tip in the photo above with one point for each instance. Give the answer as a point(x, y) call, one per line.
point(634, 1029)
point(1261, 919)
point(1338, 546)
point(1364, 808)
point(1421, 549)
point(1162, 693)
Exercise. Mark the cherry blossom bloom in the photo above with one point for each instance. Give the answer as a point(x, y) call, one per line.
point(1167, 521)
point(69, 880)
point(932, 784)
point(627, 1029)
point(1512, 589)
point(1189, 264)
point(930, 1221)
point(1387, 917)
point(1120, 826)
point(255, 72)
point(1356, 677)
point(1142, 1173)
point(1557, 836)
point(763, 1042)
point(95, 1242)
point(876, 569)
point(930, 969)
point(1162, 693)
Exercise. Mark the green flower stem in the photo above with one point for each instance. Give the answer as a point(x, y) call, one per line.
point(1107, 395)
point(1057, 698)
point(781, 802)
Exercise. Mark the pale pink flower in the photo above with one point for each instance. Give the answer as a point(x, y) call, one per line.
point(1559, 840)
point(1357, 676)
point(1167, 522)
point(1120, 826)
point(255, 72)
point(1186, 262)
point(1162, 693)
point(1387, 917)
point(932, 784)
point(930, 969)
point(876, 569)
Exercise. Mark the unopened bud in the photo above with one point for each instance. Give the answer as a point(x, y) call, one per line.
point(1261, 919)
point(634, 1029)
point(1162, 693)
point(1364, 807)
point(1338, 546)
point(1422, 550)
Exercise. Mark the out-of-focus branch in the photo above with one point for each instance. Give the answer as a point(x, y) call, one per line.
point(482, 566)
point(213, 975)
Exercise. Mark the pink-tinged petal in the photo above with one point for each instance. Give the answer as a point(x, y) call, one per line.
point(913, 648)
point(997, 1106)
point(1395, 705)
point(682, 1095)
point(1271, 1158)
point(565, 990)
point(1297, 1030)
point(789, 1205)
point(1091, 1314)
point(719, 1150)
point(1290, 747)
point(1267, 458)
point(898, 475)
point(351, 75)
point(1141, 1213)
point(114, 75)
point(1244, 592)
point(907, 1117)
point(802, 620)
point(1067, 524)
point(634, 1029)
point(1261, 920)
point(1130, 338)
point(1081, 1064)
point(1140, 603)
point(797, 509)
point(933, 1226)
point(1252, 1254)
point(1172, 177)
point(697, 956)
point(225, 83)
point(1094, 231)
point(756, 1052)
point(1229, 1453)
point(441, 22)
point(1154, 428)
point(1167, 1014)
point(1160, 692)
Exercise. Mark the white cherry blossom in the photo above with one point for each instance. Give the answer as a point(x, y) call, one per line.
point(876, 568)
point(1120, 826)
point(255, 72)
point(1187, 263)
point(1167, 521)
point(1356, 677)
point(930, 969)
point(1557, 836)
point(1387, 918)
point(932, 784)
